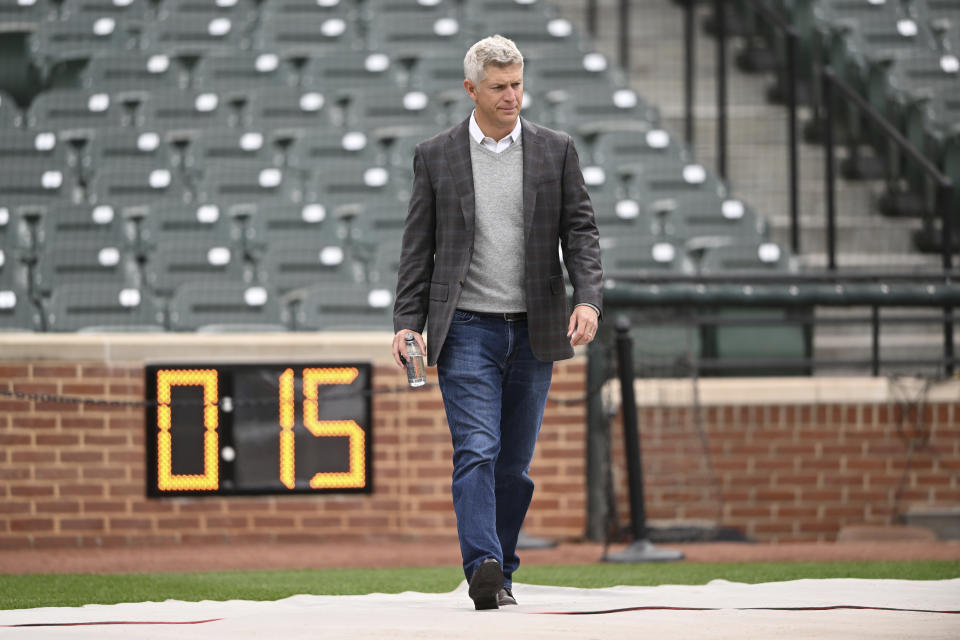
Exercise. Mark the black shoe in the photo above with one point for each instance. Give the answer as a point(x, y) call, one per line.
point(505, 597)
point(485, 585)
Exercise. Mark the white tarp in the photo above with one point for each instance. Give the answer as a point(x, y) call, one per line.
point(451, 615)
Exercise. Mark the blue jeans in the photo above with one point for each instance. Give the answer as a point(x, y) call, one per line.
point(494, 392)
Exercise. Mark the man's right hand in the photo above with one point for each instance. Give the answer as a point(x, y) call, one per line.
point(399, 346)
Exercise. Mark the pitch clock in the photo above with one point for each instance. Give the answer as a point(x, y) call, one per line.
point(233, 429)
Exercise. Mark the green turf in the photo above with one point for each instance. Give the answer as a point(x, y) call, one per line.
point(46, 590)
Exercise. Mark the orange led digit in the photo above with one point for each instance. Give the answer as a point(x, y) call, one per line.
point(355, 478)
point(287, 457)
point(166, 479)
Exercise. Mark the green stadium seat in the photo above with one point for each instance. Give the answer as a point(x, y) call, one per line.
point(299, 266)
point(87, 308)
point(383, 267)
point(76, 40)
point(760, 342)
point(688, 216)
point(198, 33)
point(629, 153)
point(318, 151)
point(132, 188)
point(10, 114)
point(71, 262)
point(622, 217)
point(393, 112)
point(345, 307)
point(131, 73)
point(424, 9)
point(345, 9)
point(642, 256)
point(288, 112)
point(304, 35)
point(242, 71)
point(437, 74)
point(222, 148)
point(480, 10)
point(278, 223)
point(537, 37)
point(112, 147)
point(74, 113)
point(83, 225)
point(184, 114)
point(747, 256)
point(17, 145)
point(25, 15)
point(17, 312)
point(34, 185)
point(346, 73)
point(400, 149)
point(410, 35)
point(186, 225)
point(348, 183)
point(216, 306)
point(570, 70)
point(171, 266)
point(670, 177)
point(245, 185)
point(241, 11)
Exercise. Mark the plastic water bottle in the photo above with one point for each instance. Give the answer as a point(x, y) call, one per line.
point(416, 372)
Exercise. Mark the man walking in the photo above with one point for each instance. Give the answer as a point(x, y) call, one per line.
point(493, 198)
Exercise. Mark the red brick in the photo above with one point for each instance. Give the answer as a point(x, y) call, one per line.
point(58, 506)
point(81, 490)
point(28, 491)
point(56, 542)
point(28, 525)
point(92, 423)
point(273, 521)
point(85, 389)
point(178, 523)
point(82, 524)
point(140, 524)
point(92, 457)
point(33, 422)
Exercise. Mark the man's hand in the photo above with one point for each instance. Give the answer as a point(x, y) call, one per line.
point(583, 325)
point(400, 349)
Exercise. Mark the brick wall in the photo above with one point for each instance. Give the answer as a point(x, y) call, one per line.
point(73, 475)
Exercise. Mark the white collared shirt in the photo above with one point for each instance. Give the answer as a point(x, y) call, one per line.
point(489, 143)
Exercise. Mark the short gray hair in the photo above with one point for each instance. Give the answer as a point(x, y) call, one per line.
point(495, 50)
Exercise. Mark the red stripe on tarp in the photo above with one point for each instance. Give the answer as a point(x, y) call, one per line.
point(664, 608)
point(106, 622)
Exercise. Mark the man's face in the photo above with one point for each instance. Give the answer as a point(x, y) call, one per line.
point(498, 98)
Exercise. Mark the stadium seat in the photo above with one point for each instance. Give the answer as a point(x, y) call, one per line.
point(133, 10)
point(74, 113)
point(643, 255)
point(17, 312)
point(630, 152)
point(279, 223)
point(242, 11)
point(405, 8)
point(26, 14)
point(184, 114)
point(240, 71)
point(182, 225)
point(571, 70)
point(439, 75)
point(761, 342)
point(348, 183)
point(589, 113)
point(288, 112)
point(622, 217)
point(132, 188)
point(10, 114)
point(668, 178)
point(121, 146)
point(199, 33)
point(688, 216)
point(318, 151)
point(35, 184)
point(171, 266)
point(98, 307)
point(286, 267)
point(83, 225)
point(480, 10)
point(132, 73)
point(305, 35)
point(409, 35)
point(76, 40)
point(220, 148)
point(393, 112)
point(216, 306)
point(537, 37)
point(71, 262)
point(345, 307)
point(754, 256)
point(326, 8)
point(245, 185)
point(345, 74)
point(36, 147)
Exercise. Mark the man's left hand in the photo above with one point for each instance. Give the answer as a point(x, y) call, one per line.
point(583, 325)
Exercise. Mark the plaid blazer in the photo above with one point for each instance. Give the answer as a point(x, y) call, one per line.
point(438, 238)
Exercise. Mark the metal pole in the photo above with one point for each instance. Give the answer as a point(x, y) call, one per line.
point(719, 14)
point(592, 18)
point(625, 36)
point(688, 60)
point(830, 166)
point(945, 200)
point(792, 145)
point(598, 445)
point(948, 338)
point(631, 438)
point(875, 340)
point(640, 550)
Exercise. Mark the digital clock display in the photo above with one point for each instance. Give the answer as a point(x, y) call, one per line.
point(258, 429)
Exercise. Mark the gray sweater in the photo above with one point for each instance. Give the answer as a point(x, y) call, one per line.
point(495, 279)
